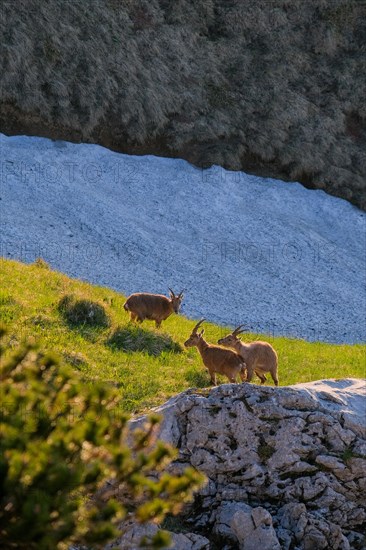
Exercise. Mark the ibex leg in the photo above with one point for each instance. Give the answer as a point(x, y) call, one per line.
point(250, 372)
point(262, 377)
point(275, 377)
point(243, 373)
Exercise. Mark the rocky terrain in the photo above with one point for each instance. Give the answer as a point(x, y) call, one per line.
point(286, 467)
point(272, 88)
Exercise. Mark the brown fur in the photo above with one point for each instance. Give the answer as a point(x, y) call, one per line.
point(217, 359)
point(154, 307)
point(260, 357)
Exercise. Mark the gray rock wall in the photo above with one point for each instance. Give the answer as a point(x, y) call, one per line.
point(286, 467)
point(272, 88)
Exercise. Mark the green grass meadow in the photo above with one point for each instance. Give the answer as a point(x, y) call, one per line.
point(146, 365)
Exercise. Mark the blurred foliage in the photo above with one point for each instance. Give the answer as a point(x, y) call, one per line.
point(70, 468)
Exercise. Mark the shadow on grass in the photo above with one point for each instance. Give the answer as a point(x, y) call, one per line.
point(131, 339)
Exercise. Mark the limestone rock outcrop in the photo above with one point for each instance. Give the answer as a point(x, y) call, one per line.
point(286, 466)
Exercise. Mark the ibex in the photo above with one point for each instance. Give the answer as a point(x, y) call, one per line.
point(259, 357)
point(216, 359)
point(154, 307)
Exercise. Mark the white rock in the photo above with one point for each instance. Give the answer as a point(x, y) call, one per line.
point(250, 528)
point(301, 446)
point(134, 533)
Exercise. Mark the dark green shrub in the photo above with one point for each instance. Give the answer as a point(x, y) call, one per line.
point(132, 339)
point(83, 312)
point(67, 475)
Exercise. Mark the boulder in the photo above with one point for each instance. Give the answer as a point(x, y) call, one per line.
point(248, 528)
point(286, 466)
point(134, 533)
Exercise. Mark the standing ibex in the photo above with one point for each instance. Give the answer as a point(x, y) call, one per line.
point(154, 307)
point(260, 357)
point(216, 359)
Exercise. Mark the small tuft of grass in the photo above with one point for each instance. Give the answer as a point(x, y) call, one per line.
point(79, 313)
point(75, 359)
point(265, 451)
point(214, 410)
point(135, 339)
point(7, 300)
point(10, 309)
point(349, 453)
point(41, 321)
point(40, 262)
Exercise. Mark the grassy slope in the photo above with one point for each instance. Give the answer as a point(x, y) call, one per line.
point(29, 307)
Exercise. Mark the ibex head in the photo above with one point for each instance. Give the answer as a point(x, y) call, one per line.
point(230, 340)
point(176, 300)
point(195, 336)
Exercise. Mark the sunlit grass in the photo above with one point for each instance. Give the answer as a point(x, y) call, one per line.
point(146, 365)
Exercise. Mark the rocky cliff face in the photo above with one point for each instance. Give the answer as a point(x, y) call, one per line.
point(286, 467)
point(272, 88)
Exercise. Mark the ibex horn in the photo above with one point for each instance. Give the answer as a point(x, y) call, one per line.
point(181, 292)
point(171, 292)
point(238, 331)
point(198, 324)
